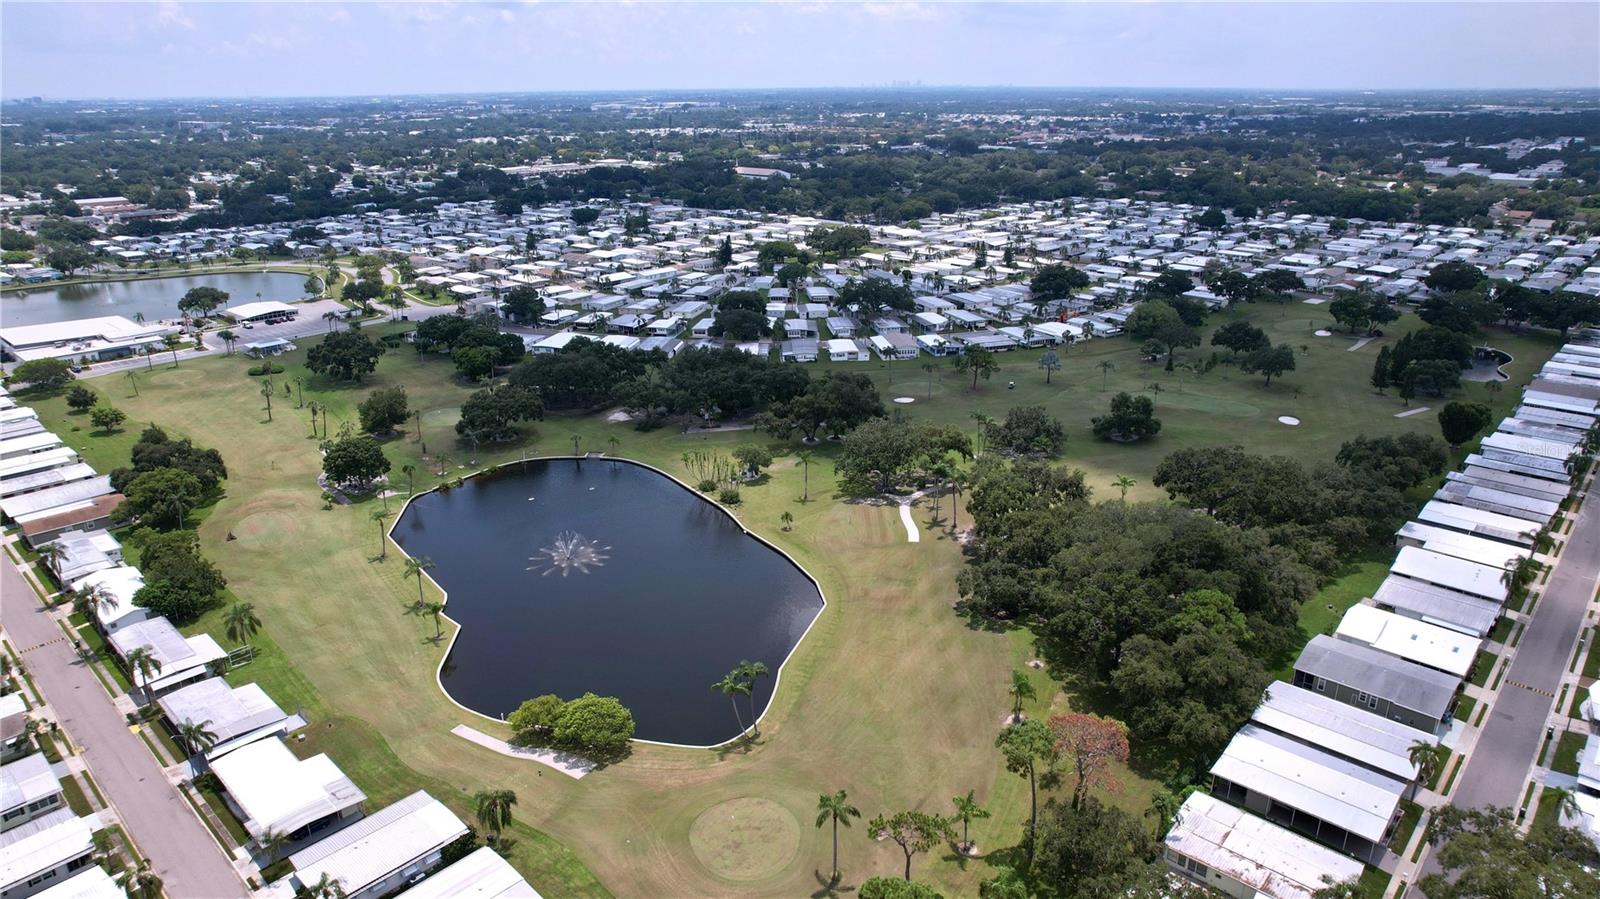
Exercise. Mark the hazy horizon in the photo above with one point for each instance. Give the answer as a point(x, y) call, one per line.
point(169, 50)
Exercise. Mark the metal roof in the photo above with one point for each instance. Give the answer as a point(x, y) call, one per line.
point(277, 791)
point(1438, 605)
point(1403, 683)
point(1451, 572)
point(481, 875)
point(1342, 729)
point(1272, 860)
point(380, 844)
point(1408, 638)
point(1309, 780)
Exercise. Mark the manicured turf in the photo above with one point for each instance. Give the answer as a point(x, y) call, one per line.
point(1568, 746)
point(891, 696)
point(1354, 582)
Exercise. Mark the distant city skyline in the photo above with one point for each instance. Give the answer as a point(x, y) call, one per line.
point(171, 49)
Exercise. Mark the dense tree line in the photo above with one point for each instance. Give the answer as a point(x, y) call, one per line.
point(1179, 610)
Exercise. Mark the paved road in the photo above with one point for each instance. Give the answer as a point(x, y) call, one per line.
point(1509, 744)
point(160, 821)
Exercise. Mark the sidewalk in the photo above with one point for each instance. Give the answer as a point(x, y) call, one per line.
point(156, 818)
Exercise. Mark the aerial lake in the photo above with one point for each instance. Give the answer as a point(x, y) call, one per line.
point(154, 298)
point(599, 576)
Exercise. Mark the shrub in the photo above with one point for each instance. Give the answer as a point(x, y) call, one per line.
point(265, 368)
point(706, 485)
point(729, 496)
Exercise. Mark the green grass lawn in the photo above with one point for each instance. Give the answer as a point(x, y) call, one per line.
point(1482, 666)
point(1410, 814)
point(891, 696)
point(1464, 707)
point(1351, 584)
point(1568, 747)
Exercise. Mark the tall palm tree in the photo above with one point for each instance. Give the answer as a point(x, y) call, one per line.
point(410, 471)
point(172, 341)
point(228, 337)
point(493, 808)
point(133, 379)
point(1106, 367)
point(967, 811)
point(143, 663)
point(1021, 689)
point(196, 738)
point(415, 566)
point(379, 516)
point(241, 622)
point(733, 686)
point(835, 807)
point(1123, 482)
point(88, 601)
point(805, 457)
point(1429, 759)
point(750, 672)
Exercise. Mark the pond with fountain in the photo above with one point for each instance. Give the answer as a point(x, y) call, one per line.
point(601, 576)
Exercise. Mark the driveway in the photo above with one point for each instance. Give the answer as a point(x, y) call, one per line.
point(160, 821)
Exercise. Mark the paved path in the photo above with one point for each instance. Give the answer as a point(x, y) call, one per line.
point(574, 766)
point(1360, 343)
point(1509, 745)
point(161, 823)
point(912, 534)
point(1410, 412)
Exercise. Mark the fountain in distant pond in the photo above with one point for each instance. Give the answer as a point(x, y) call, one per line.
point(570, 552)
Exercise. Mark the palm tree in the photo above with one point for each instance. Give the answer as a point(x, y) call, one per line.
point(493, 808)
point(143, 881)
point(272, 842)
point(985, 423)
point(968, 810)
point(172, 341)
point(1429, 759)
point(930, 368)
point(52, 554)
point(750, 672)
point(1106, 367)
point(133, 380)
point(142, 662)
point(431, 608)
point(1566, 802)
point(228, 337)
point(1123, 482)
point(197, 738)
point(380, 516)
point(612, 443)
point(241, 622)
point(787, 519)
point(88, 600)
point(1164, 807)
point(331, 317)
point(410, 471)
point(804, 457)
point(415, 566)
point(836, 808)
point(733, 686)
point(326, 888)
point(1021, 689)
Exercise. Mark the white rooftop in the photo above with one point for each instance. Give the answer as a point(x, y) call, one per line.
point(1311, 781)
point(26, 780)
point(1273, 860)
point(90, 883)
point(1448, 571)
point(380, 844)
point(481, 875)
point(279, 792)
point(1409, 638)
point(45, 849)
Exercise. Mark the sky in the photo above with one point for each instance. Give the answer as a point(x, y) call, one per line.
point(173, 49)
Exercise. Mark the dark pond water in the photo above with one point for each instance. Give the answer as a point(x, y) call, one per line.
point(673, 596)
point(154, 298)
